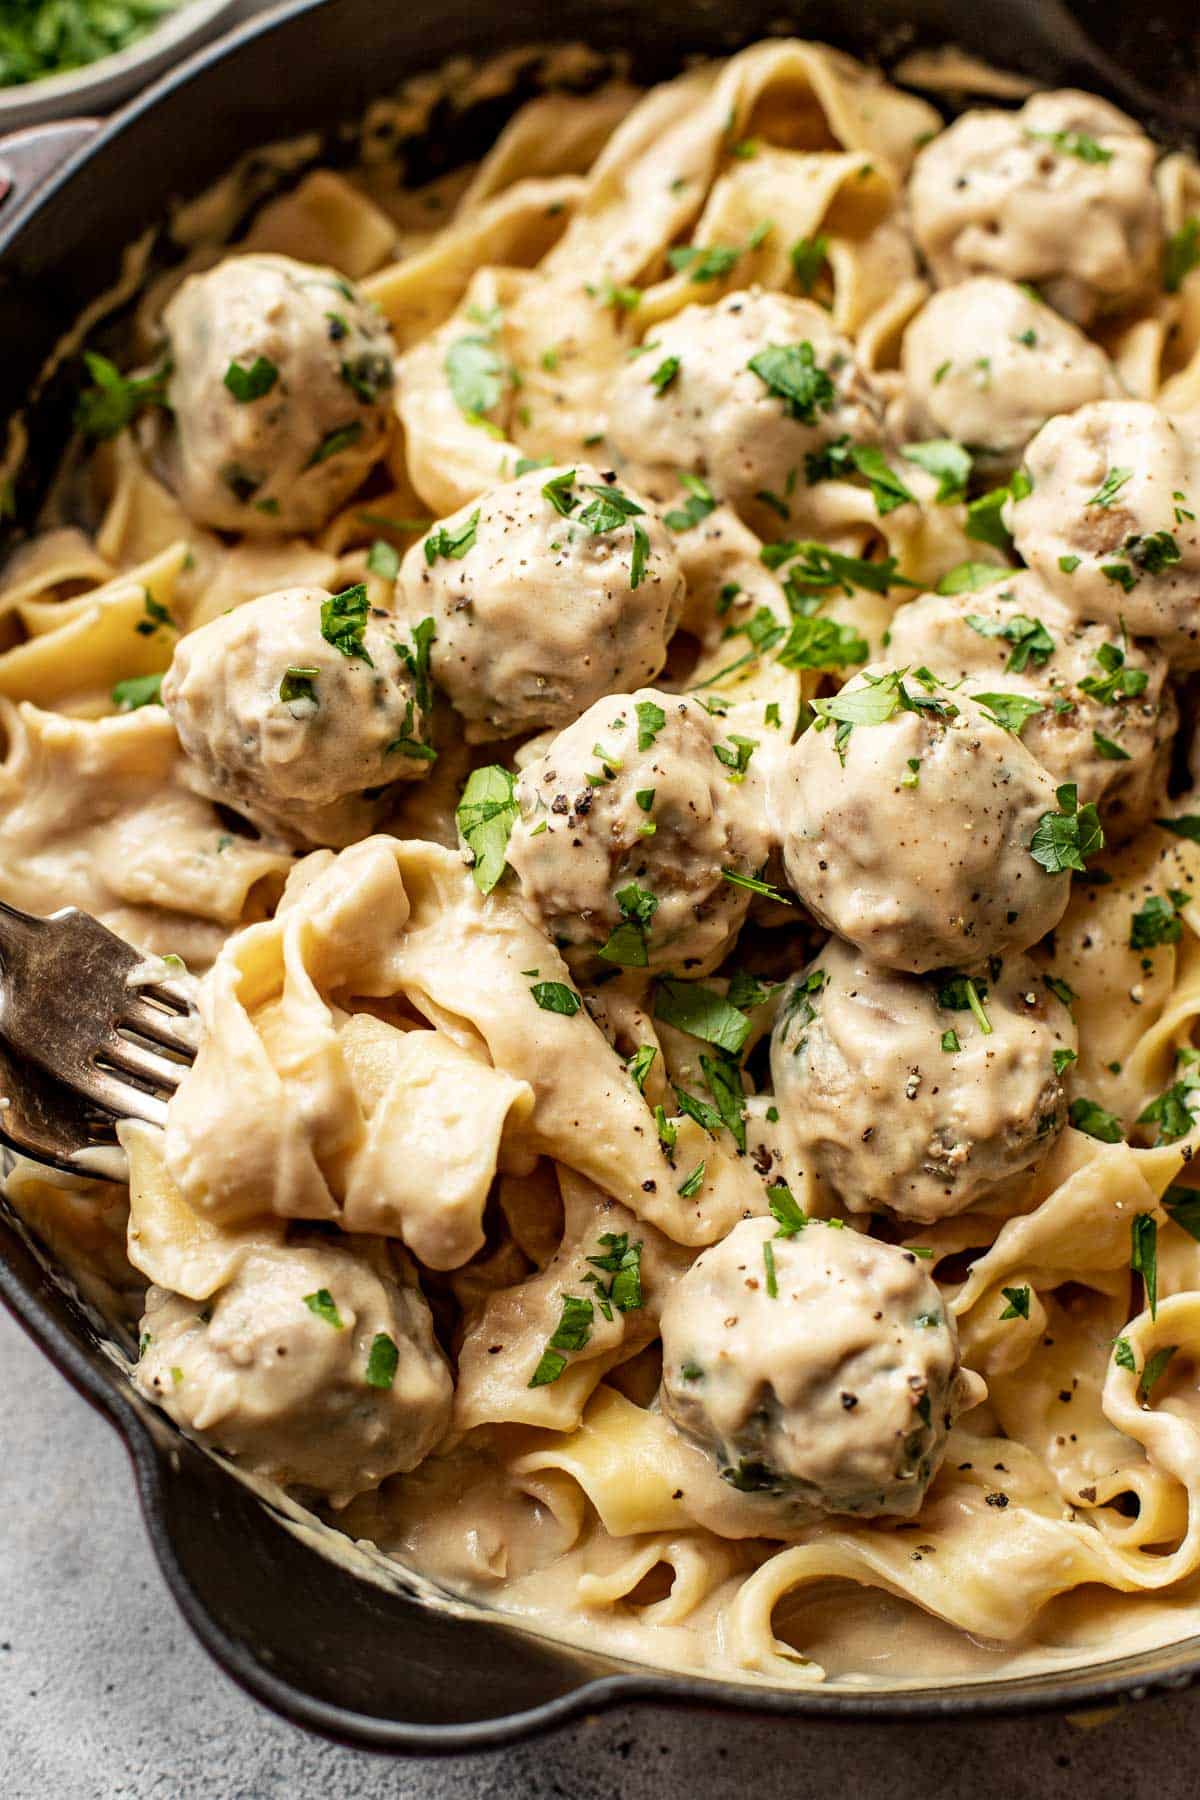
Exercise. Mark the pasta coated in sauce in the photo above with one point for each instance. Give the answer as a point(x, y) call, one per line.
point(646, 683)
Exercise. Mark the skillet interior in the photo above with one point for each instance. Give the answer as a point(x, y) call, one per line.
point(341, 1655)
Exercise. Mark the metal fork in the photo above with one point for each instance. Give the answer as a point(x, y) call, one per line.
point(80, 1047)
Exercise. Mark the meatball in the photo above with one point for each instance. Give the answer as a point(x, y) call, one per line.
point(820, 1370)
point(920, 1095)
point(281, 383)
point(314, 1367)
point(985, 364)
point(628, 823)
point(546, 593)
point(754, 385)
point(1060, 193)
point(292, 705)
point(906, 816)
point(1108, 714)
point(1110, 521)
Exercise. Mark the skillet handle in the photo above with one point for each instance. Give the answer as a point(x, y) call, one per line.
point(28, 158)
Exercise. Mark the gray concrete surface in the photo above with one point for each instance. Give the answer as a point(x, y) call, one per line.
point(105, 1696)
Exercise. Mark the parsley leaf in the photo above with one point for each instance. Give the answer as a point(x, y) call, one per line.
point(1157, 921)
point(1117, 681)
point(382, 1361)
point(700, 502)
point(1096, 1121)
point(114, 400)
point(1018, 1303)
point(251, 384)
point(475, 371)
point(556, 997)
point(138, 690)
point(792, 374)
point(1182, 1207)
point(1074, 143)
point(324, 1306)
point(948, 461)
point(1143, 1256)
point(1155, 1369)
point(485, 816)
point(971, 578)
point(1012, 712)
point(819, 643)
point(573, 1331)
point(1181, 255)
point(808, 256)
point(626, 943)
point(1066, 838)
point(452, 544)
point(1110, 487)
point(651, 718)
point(344, 620)
point(785, 1210)
point(702, 1013)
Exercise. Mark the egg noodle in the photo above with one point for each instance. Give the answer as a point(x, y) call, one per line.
point(494, 632)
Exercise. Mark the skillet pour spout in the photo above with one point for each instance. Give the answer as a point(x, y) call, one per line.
point(367, 1660)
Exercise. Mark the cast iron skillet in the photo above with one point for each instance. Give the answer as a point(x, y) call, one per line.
point(345, 1657)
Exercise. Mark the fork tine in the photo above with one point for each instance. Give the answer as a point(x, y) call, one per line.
point(138, 1060)
point(123, 1099)
point(161, 1027)
point(170, 993)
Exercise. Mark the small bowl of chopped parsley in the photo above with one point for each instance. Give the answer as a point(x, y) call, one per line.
point(59, 57)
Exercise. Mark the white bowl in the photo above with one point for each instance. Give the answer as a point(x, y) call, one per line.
point(99, 86)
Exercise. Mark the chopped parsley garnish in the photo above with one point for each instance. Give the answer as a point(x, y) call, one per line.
point(1110, 487)
point(948, 461)
point(1012, 712)
point(724, 1084)
point(651, 718)
point(1029, 639)
point(950, 1043)
point(1065, 839)
point(1143, 1256)
point(785, 1210)
point(1074, 143)
point(702, 1013)
point(251, 384)
point(1062, 1060)
point(623, 1261)
point(1123, 1354)
point(299, 684)
point(1117, 682)
point(476, 373)
point(324, 1306)
point(768, 1250)
point(556, 997)
point(608, 510)
point(964, 993)
point(737, 759)
point(971, 578)
point(1187, 825)
point(452, 544)
point(1096, 1121)
point(344, 620)
point(640, 1064)
point(334, 442)
point(700, 502)
point(843, 458)
point(665, 374)
point(485, 816)
point(984, 523)
point(1171, 1111)
point(573, 1331)
point(692, 1183)
point(792, 374)
point(416, 660)
point(1018, 1303)
point(704, 263)
point(755, 886)
point(383, 559)
point(641, 552)
point(1105, 747)
point(155, 616)
point(815, 568)
point(138, 690)
point(1158, 921)
point(114, 400)
point(1182, 1207)
point(626, 944)
point(808, 256)
point(383, 1360)
point(1181, 255)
